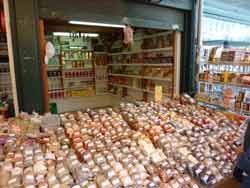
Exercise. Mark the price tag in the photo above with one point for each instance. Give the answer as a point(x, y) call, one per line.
point(226, 76)
point(158, 93)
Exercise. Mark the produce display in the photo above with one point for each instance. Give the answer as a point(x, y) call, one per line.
point(167, 145)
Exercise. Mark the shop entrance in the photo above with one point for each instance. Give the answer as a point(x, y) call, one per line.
point(92, 66)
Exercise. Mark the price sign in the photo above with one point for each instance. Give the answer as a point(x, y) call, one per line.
point(158, 93)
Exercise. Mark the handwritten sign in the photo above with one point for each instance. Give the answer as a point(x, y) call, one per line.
point(158, 93)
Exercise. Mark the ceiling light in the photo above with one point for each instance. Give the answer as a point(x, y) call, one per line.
point(63, 34)
point(90, 35)
point(96, 24)
point(67, 34)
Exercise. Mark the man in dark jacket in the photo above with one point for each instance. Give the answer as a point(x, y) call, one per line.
point(242, 169)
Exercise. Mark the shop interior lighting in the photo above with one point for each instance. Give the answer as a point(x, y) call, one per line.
point(96, 24)
point(67, 34)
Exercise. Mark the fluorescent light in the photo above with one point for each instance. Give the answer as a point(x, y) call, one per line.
point(63, 34)
point(67, 34)
point(90, 34)
point(96, 24)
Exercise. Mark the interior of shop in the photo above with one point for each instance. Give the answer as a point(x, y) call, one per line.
point(92, 67)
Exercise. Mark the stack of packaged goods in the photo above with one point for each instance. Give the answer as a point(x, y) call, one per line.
point(135, 145)
point(202, 141)
point(119, 156)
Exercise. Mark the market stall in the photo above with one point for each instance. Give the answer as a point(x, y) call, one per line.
point(171, 144)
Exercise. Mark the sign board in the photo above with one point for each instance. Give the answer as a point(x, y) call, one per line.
point(158, 93)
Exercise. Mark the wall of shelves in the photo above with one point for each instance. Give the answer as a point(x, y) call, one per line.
point(136, 73)
point(129, 74)
point(224, 65)
point(225, 83)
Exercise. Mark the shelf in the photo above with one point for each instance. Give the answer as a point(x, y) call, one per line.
point(79, 79)
point(153, 35)
point(101, 66)
point(75, 50)
point(100, 53)
point(59, 89)
point(239, 63)
point(53, 67)
point(221, 42)
point(222, 108)
point(143, 64)
point(76, 60)
point(3, 63)
point(141, 77)
point(80, 68)
point(101, 80)
point(223, 83)
point(136, 89)
point(78, 88)
point(143, 51)
point(212, 105)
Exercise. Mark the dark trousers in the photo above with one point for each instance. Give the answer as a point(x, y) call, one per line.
point(245, 183)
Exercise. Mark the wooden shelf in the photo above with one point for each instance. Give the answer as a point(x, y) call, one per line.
point(77, 60)
point(51, 65)
point(143, 51)
point(141, 77)
point(101, 66)
point(136, 89)
point(222, 108)
point(236, 63)
point(143, 64)
point(51, 90)
point(152, 35)
point(80, 68)
point(223, 83)
point(100, 53)
point(77, 88)
point(75, 50)
point(80, 80)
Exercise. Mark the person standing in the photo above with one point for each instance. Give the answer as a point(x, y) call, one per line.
point(242, 169)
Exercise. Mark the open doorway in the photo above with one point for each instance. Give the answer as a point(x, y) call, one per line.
point(91, 66)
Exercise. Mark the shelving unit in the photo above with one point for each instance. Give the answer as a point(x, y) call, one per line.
point(167, 49)
point(141, 77)
point(5, 81)
point(101, 72)
point(131, 71)
point(143, 64)
point(137, 89)
point(222, 83)
point(74, 75)
point(241, 63)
